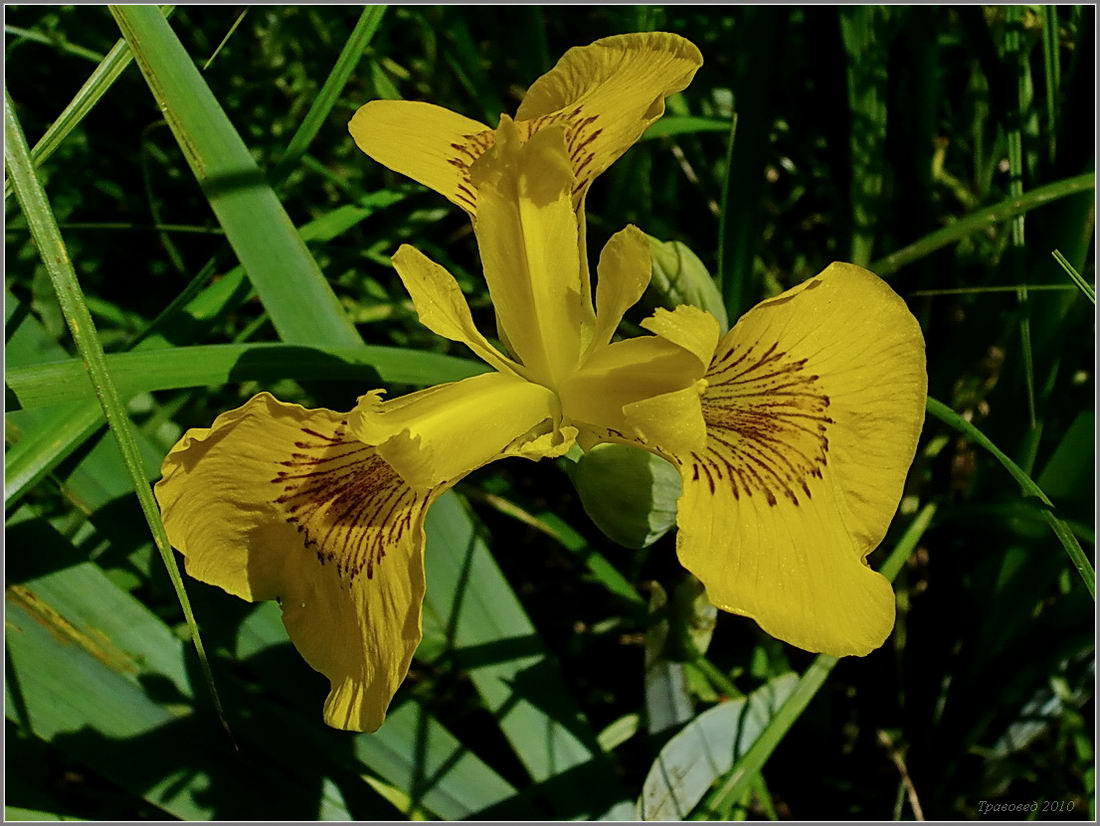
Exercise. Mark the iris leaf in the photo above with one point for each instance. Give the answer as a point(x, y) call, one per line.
point(57, 382)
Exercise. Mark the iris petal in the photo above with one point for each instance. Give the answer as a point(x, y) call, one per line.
point(274, 501)
point(814, 403)
point(432, 145)
point(437, 435)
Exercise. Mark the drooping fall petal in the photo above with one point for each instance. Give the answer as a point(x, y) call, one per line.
point(814, 403)
point(274, 501)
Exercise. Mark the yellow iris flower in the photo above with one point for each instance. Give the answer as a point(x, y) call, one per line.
point(792, 433)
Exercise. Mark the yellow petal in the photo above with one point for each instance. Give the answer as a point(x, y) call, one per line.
point(623, 274)
point(607, 94)
point(671, 423)
point(432, 145)
point(813, 407)
point(441, 306)
point(695, 330)
point(527, 236)
point(437, 435)
point(274, 501)
point(623, 374)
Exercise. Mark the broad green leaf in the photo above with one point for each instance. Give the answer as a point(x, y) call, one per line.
point(54, 383)
point(706, 748)
point(667, 702)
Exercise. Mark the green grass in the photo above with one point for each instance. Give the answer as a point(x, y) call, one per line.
point(189, 222)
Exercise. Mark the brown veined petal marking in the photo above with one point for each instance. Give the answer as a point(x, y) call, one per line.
point(276, 502)
point(813, 406)
point(767, 421)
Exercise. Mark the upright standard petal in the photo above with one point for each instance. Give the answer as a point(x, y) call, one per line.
point(527, 236)
point(432, 145)
point(437, 435)
point(274, 501)
point(814, 403)
point(622, 273)
point(606, 94)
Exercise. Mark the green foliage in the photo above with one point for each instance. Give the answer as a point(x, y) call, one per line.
point(226, 236)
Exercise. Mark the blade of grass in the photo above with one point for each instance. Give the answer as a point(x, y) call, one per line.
point(1017, 65)
point(993, 289)
point(1083, 285)
point(228, 34)
point(863, 34)
point(273, 254)
point(58, 42)
point(140, 371)
point(975, 221)
point(744, 772)
point(673, 125)
point(1052, 72)
point(36, 208)
point(97, 84)
point(1073, 549)
point(322, 105)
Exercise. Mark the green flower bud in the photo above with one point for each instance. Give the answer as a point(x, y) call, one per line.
point(679, 277)
point(629, 493)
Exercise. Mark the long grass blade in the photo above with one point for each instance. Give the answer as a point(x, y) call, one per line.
point(1018, 67)
point(862, 31)
point(1072, 547)
point(36, 208)
point(1052, 72)
point(97, 84)
point(302, 305)
point(224, 40)
point(58, 42)
point(322, 105)
point(975, 221)
point(1076, 277)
